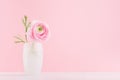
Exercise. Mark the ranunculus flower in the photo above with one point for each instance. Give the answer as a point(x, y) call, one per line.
point(38, 31)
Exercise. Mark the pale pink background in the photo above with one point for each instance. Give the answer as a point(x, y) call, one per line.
point(85, 34)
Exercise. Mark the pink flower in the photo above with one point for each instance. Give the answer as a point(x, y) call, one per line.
point(38, 31)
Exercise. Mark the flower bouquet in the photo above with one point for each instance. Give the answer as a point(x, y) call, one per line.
point(35, 32)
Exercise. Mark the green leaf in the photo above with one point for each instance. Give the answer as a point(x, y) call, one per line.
point(19, 41)
point(23, 22)
point(25, 18)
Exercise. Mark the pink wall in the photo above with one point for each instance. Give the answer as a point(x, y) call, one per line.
point(85, 34)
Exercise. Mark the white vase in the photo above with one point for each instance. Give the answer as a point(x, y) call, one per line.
point(32, 57)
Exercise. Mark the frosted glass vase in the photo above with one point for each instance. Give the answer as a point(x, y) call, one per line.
point(32, 57)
